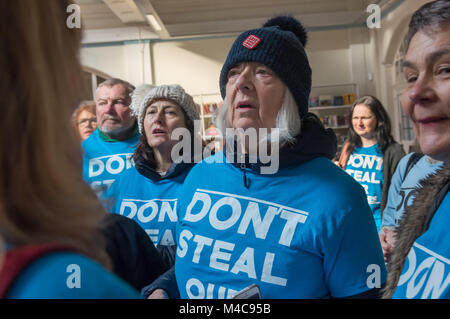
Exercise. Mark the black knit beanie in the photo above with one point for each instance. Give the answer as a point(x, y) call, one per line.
point(279, 45)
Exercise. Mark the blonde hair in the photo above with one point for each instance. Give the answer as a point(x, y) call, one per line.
point(43, 197)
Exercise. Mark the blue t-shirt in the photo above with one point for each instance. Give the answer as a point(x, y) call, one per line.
point(365, 165)
point(152, 204)
point(426, 272)
point(303, 232)
point(67, 275)
point(403, 189)
point(104, 161)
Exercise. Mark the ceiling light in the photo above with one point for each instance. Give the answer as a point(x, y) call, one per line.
point(153, 22)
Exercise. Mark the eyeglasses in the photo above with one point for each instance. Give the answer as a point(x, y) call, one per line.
point(85, 122)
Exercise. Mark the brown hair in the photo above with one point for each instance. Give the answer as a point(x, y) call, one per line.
point(145, 152)
point(429, 18)
point(43, 197)
point(383, 133)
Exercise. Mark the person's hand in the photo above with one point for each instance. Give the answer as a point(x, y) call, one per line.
point(387, 240)
point(158, 294)
point(390, 237)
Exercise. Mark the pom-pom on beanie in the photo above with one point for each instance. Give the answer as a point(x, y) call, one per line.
point(145, 94)
point(279, 45)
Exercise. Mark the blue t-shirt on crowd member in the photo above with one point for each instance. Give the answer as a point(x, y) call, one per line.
point(426, 272)
point(403, 188)
point(67, 275)
point(365, 165)
point(278, 232)
point(105, 159)
point(152, 204)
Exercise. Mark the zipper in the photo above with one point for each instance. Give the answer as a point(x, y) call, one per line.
point(245, 175)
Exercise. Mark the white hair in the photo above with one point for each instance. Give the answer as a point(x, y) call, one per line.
point(129, 88)
point(288, 120)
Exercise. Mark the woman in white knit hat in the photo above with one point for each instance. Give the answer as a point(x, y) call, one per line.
point(148, 192)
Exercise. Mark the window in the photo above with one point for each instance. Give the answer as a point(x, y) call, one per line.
point(407, 135)
point(91, 79)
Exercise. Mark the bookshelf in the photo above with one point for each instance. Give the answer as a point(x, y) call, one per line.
point(209, 105)
point(332, 103)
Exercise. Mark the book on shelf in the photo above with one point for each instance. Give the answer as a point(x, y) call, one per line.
point(338, 100)
point(349, 98)
point(209, 108)
point(325, 100)
point(335, 121)
point(313, 101)
point(330, 100)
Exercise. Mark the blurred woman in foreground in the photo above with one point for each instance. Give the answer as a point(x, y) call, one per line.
point(47, 212)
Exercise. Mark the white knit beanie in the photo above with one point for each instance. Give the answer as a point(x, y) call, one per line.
point(145, 94)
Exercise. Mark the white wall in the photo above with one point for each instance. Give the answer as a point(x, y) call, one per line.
point(194, 64)
point(107, 59)
point(328, 54)
point(129, 61)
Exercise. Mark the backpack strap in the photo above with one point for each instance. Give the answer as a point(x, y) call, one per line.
point(415, 157)
point(18, 258)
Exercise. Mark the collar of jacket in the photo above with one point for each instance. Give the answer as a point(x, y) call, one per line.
point(415, 222)
point(147, 170)
point(313, 141)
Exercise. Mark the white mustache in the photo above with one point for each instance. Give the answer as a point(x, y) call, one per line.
point(114, 118)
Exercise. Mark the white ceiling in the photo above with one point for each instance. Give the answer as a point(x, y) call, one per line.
point(184, 18)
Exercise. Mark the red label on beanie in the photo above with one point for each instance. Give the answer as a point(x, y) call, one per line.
point(251, 42)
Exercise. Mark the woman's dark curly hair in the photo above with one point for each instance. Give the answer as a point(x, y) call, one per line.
point(382, 130)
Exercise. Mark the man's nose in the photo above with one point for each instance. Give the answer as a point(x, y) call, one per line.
point(110, 109)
